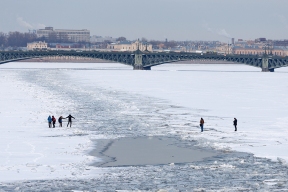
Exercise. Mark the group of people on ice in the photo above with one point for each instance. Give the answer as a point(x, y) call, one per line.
point(52, 121)
point(202, 124)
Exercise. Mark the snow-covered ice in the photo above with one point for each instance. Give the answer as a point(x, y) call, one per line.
point(28, 149)
point(111, 100)
point(218, 93)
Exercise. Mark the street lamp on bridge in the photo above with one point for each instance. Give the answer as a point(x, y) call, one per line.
point(229, 48)
point(269, 48)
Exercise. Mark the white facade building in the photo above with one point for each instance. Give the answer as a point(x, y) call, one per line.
point(100, 39)
point(37, 45)
point(69, 34)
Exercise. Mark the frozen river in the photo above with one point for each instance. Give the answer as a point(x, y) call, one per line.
point(110, 101)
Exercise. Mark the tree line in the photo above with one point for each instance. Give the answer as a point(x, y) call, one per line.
point(18, 39)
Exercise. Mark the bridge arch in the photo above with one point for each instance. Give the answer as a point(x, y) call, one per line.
point(120, 57)
point(265, 62)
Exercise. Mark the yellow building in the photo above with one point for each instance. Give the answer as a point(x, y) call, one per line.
point(259, 51)
point(37, 45)
point(225, 49)
point(130, 46)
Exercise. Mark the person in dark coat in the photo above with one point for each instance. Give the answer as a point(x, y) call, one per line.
point(60, 121)
point(53, 121)
point(202, 124)
point(49, 121)
point(235, 124)
point(70, 119)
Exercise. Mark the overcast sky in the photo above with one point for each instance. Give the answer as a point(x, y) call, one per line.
point(153, 19)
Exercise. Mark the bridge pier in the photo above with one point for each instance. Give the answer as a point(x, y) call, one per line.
point(265, 70)
point(265, 64)
point(138, 65)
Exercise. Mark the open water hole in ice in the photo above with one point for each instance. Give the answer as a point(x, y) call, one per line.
point(141, 151)
point(110, 114)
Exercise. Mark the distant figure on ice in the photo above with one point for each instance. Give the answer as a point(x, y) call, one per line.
point(49, 121)
point(235, 124)
point(70, 119)
point(53, 121)
point(60, 121)
point(201, 124)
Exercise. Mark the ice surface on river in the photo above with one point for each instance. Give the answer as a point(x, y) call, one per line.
point(218, 93)
point(111, 100)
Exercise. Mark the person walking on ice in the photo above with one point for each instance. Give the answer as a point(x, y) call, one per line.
point(70, 119)
point(49, 121)
point(201, 124)
point(60, 121)
point(235, 124)
point(53, 121)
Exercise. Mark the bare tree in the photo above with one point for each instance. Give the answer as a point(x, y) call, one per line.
point(121, 39)
point(29, 37)
point(14, 39)
point(170, 44)
point(143, 39)
point(3, 40)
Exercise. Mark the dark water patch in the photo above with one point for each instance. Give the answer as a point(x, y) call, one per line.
point(141, 151)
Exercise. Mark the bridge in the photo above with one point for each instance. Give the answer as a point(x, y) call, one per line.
point(145, 60)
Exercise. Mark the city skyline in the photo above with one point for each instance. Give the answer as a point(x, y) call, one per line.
point(161, 19)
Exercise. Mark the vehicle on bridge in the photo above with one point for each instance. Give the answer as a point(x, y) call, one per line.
point(199, 52)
